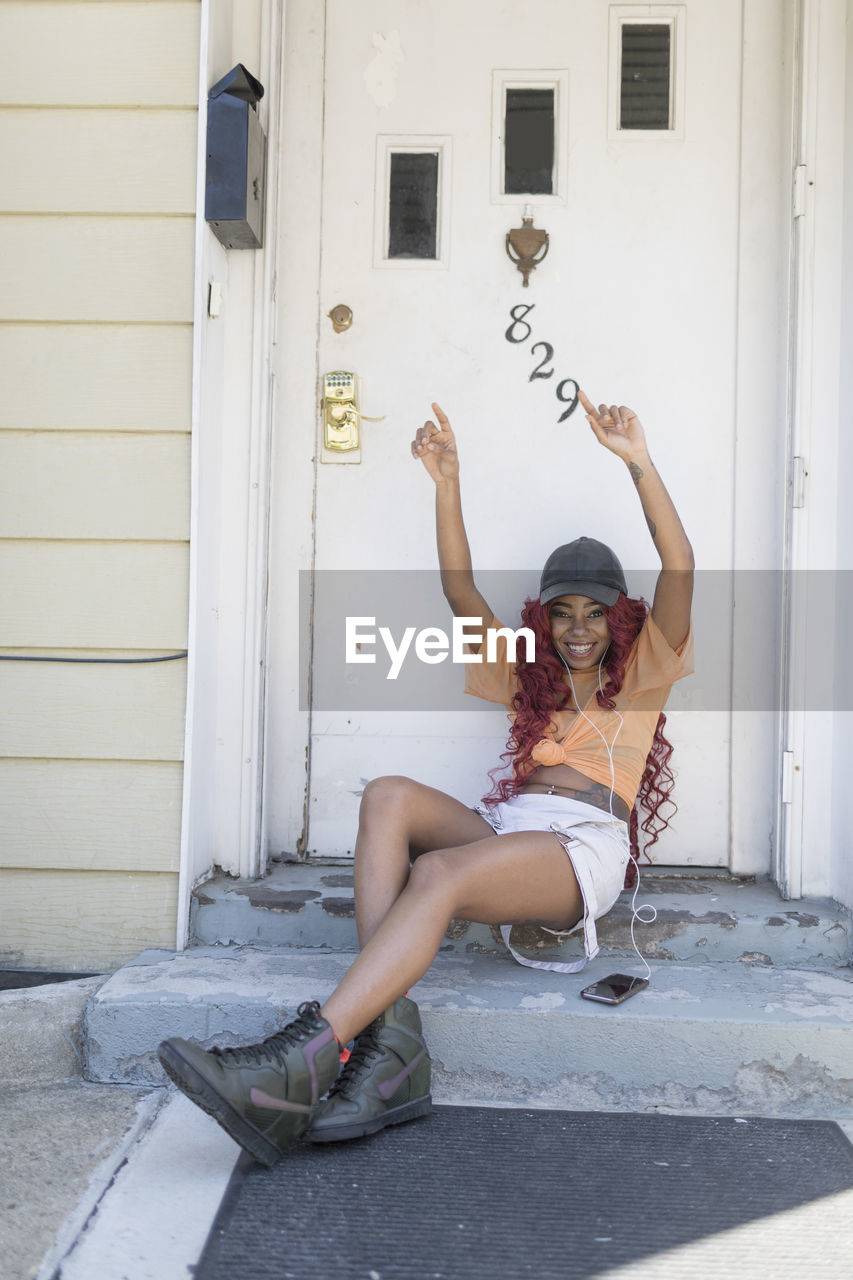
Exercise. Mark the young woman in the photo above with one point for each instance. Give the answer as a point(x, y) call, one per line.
point(550, 845)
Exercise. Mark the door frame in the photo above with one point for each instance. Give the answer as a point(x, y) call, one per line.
point(233, 410)
point(813, 423)
point(229, 797)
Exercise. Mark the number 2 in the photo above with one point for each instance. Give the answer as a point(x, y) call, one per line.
point(549, 352)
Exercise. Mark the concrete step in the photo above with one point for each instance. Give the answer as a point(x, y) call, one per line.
point(700, 918)
point(40, 1029)
point(727, 1038)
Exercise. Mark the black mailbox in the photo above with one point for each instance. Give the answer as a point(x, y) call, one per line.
point(236, 155)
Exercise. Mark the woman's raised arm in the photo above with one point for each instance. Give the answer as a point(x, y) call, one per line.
point(435, 446)
point(619, 429)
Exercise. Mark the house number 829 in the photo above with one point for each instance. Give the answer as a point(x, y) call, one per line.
point(519, 331)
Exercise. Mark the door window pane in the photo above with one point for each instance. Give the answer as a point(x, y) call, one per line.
point(645, 76)
point(529, 142)
point(413, 205)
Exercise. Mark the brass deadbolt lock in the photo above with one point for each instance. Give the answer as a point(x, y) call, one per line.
point(341, 413)
point(341, 317)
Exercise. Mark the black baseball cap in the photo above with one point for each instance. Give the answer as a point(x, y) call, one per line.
point(584, 567)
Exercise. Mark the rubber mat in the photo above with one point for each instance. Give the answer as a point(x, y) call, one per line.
point(472, 1193)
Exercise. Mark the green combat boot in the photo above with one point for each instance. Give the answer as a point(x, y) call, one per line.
point(385, 1081)
point(264, 1094)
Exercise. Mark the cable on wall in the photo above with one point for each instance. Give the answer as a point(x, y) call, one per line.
point(29, 657)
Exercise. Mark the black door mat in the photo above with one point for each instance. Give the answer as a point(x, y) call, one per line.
point(475, 1193)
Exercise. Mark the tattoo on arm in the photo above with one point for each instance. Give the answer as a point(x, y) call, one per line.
point(653, 529)
point(636, 472)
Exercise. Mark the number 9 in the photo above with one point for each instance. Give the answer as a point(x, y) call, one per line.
point(570, 400)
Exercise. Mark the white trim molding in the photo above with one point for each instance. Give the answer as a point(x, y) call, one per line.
point(232, 406)
point(817, 215)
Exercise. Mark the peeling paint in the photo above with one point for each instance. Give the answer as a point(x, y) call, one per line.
point(803, 1088)
point(548, 1000)
point(674, 995)
point(339, 906)
point(290, 901)
point(738, 925)
point(456, 930)
point(380, 75)
point(804, 921)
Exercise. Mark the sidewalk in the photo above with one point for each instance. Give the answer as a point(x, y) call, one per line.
point(60, 1135)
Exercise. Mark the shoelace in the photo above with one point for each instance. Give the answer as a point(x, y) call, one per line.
point(277, 1045)
point(364, 1049)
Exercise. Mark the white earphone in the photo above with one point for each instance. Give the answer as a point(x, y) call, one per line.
point(636, 912)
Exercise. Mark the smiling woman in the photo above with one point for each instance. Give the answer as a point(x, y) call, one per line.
point(579, 630)
point(550, 843)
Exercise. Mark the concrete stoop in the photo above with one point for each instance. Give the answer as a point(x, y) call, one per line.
point(700, 919)
point(723, 1038)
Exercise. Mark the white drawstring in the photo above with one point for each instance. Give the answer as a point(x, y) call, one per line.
point(636, 912)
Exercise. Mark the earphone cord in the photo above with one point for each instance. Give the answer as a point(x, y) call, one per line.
point(636, 912)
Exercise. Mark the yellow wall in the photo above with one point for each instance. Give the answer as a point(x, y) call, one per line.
point(98, 123)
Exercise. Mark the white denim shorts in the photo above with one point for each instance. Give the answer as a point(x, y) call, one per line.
point(598, 847)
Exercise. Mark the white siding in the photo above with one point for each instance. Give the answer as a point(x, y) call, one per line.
point(90, 815)
point(93, 268)
point(95, 595)
point(104, 53)
point(93, 485)
point(98, 124)
point(96, 377)
point(95, 160)
point(82, 920)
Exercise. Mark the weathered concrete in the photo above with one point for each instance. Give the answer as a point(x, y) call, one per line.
point(711, 1039)
point(61, 1145)
point(40, 1031)
point(700, 920)
point(62, 1138)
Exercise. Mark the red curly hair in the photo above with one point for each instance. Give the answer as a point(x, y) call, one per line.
point(542, 691)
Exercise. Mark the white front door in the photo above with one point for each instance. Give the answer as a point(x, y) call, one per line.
point(619, 129)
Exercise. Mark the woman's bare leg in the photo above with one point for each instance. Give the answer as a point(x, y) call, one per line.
point(497, 880)
point(397, 814)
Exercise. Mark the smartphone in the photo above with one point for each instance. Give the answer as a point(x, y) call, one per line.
point(615, 988)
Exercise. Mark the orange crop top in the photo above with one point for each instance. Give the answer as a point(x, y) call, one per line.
point(651, 670)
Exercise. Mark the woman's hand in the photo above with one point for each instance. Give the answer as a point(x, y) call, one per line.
point(616, 427)
point(436, 448)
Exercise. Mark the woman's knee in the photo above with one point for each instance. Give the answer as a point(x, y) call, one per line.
point(386, 794)
point(434, 873)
